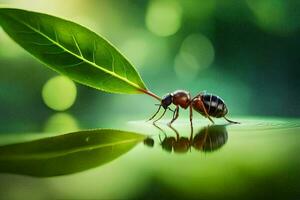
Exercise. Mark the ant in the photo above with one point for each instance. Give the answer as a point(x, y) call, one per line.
point(208, 105)
point(207, 139)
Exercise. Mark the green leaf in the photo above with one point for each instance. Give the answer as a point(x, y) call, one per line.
point(72, 50)
point(66, 154)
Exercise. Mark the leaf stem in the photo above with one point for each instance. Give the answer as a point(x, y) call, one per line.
point(150, 94)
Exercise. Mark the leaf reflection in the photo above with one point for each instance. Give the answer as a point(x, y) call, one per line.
point(66, 154)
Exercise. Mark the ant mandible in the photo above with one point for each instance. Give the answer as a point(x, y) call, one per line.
point(208, 105)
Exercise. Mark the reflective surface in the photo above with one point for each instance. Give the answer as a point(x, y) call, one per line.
point(66, 154)
point(256, 159)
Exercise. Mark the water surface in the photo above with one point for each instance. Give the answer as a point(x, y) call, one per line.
point(255, 159)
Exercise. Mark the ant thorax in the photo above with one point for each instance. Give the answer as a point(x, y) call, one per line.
point(181, 98)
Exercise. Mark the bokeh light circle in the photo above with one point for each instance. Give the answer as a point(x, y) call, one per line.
point(130, 47)
point(59, 93)
point(196, 53)
point(163, 17)
point(61, 123)
point(274, 16)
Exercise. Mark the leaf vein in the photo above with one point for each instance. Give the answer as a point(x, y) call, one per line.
point(25, 32)
point(55, 53)
point(55, 35)
point(41, 44)
point(73, 65)
point(94, 49)
point(124, 68)
point(112, 62)
point(77, 45)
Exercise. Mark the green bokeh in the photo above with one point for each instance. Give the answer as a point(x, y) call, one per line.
point(163, 17)
point(59, 93)
point(246, 52)
point(61, 123)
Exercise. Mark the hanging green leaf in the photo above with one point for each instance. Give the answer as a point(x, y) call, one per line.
point(72, 50)
point(66, 154)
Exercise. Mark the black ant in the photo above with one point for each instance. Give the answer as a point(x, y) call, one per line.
point(208, 105)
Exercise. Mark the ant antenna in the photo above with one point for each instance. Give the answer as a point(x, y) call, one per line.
point(155, 112)
point(158, 111)
point(160, 116)
point(157, 104)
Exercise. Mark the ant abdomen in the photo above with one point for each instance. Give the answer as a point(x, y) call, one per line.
point(214, 105)
point(210, 138)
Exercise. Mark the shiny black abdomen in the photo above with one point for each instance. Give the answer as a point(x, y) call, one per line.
point(215, 106)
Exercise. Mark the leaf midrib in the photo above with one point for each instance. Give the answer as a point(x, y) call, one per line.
point(65, 152)
point(79, 57)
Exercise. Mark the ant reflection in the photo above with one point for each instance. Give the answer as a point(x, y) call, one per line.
point(207, 139)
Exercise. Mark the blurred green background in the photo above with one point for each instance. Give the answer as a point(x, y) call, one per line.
point(246, 51)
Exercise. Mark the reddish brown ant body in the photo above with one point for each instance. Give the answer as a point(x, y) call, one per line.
point(207, 139)
point(208, 105)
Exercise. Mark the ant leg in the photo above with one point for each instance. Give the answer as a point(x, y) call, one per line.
point(156, 126)
point(171, 110)
point(206, 133)
point(176, 132)
point(175, 115)
point(210, 119)
point(162, 131)
point(233, 122)
point(206, 114)
point(191, 121)
point(155, 113)
point(160, 116)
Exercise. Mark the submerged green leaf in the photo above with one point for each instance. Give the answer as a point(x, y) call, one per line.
point(66, 154)
point(72, 50)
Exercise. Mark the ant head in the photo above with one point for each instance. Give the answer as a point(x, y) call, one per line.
point(167, 100)
point(149, 142)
